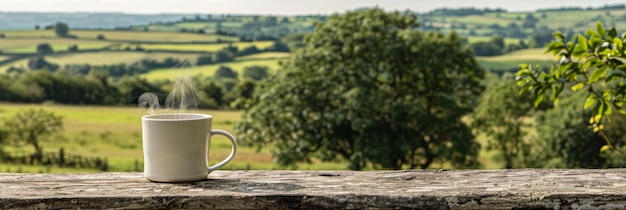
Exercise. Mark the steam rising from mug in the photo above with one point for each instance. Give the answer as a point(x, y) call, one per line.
point(183, 97)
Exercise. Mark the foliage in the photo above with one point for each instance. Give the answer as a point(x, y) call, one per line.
point(61, 29)
point(372, 90)
point(500, 115)
point(31, 126)
point(44, 48)
point(594, 63)
point(565, 141)
point(255, 72)
point(39, 62)
point(213, 94)
point(241, 92)
point(223, 55)
point(224, 72)
point(278, 46)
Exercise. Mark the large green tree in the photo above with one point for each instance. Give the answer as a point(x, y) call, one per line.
point(369, 89)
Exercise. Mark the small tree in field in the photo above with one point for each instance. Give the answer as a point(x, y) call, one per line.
point(594, 62)
point(32, 126)
point(61, 29)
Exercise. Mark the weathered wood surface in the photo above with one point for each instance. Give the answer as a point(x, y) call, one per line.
point(419, 189)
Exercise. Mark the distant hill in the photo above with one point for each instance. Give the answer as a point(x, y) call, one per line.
point(28, 20)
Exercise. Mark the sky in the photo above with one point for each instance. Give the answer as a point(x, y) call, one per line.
point(277, 7)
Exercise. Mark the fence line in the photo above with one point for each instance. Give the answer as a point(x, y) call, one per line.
point(61, 159)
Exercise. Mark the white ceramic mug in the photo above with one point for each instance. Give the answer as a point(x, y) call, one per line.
point(176, 147)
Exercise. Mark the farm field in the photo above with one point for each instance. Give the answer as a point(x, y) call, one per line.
point(263, 55)
point(136, 36)
point(205, 47)
point(115, 133)
point(109, 58)
point(29, 45)
point(208, 70)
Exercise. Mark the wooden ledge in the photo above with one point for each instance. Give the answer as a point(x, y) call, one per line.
point(423, 189)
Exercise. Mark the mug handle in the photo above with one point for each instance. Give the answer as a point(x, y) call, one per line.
point(232, 151)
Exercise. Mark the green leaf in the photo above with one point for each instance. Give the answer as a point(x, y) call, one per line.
point(597, 74)
point(539, 94)
point(604, 148)
point(590, 101)
point(582, 40)
point(620, 109)
point(600, 29)
point(559, 36)
point(578, 86)
point(612, 33)
point(579, 50)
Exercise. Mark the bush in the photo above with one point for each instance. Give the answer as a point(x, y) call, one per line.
point(224, 72)
point(255, 72)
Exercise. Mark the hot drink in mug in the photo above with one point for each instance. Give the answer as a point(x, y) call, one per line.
point(176, 147)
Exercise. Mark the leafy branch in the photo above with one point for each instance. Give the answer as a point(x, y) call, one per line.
point(593, 62)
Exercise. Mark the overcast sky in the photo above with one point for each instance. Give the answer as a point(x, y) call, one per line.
point(284, 7)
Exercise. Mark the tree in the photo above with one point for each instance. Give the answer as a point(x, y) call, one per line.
point(213, 93)
point(224, 72)
point(204, 59)
point(242, 91)
point(593, 62)
point(61, 29)
point(32, 126)
point(72, 48)
point(486, 49)
point(530, 21)
point(39, 62)
point(255, 72)
point(44, 48)
point(369, 89)
point(500, 115)
point(278, 46)
point(224, 55)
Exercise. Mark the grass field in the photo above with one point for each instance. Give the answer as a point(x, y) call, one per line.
point(115, 133)
point(136, 36)
point(205, 47)
point(533, 54)
point(507, 41)
point(22, 63)
point(29, 45)
point(108, 58)
point(208, 70)
point(263, 55)
point(3, 57)
point(512, 60)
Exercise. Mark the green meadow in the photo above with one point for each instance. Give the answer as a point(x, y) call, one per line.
point(108, 58)
point(204, 47)
point(115, 133)
point(128, 36)
point(209, 70)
